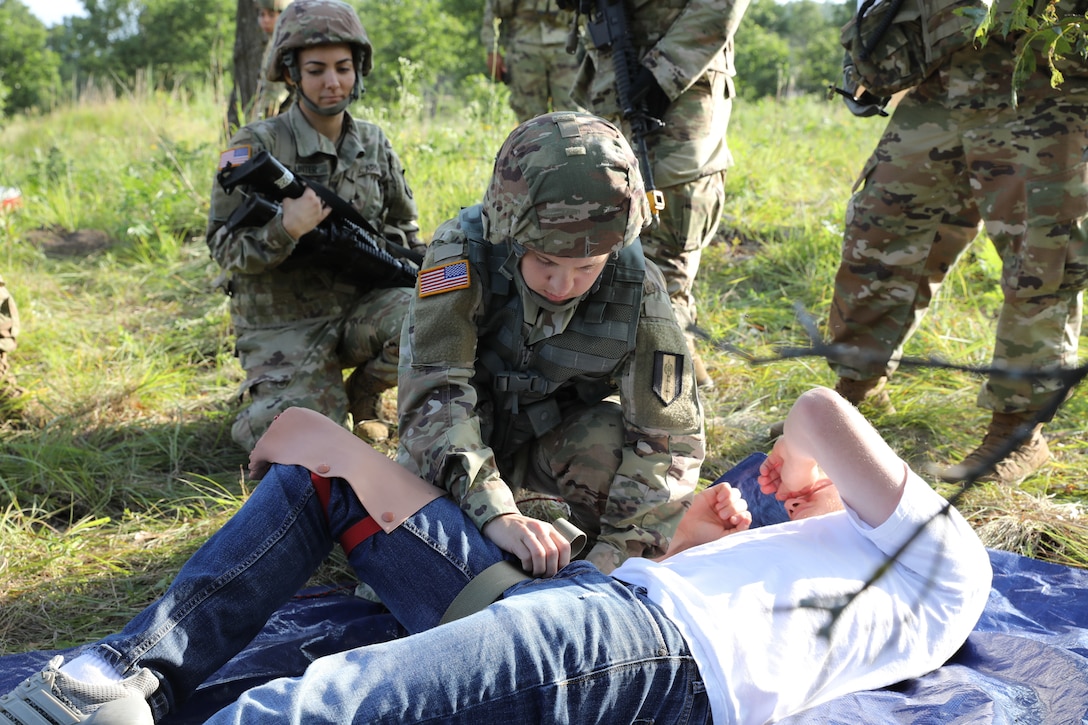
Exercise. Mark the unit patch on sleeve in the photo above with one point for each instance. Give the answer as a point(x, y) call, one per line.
point(233, 156)
point(668, 376)
point(444, 278)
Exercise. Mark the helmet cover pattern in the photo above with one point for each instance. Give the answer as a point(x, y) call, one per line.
point(312, 23)
point(566, 184)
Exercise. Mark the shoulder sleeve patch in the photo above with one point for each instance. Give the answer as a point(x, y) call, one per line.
point(444, 278)
point(668, 378)
point(234, 156)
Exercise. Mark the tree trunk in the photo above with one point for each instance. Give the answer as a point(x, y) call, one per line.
point(248, 51)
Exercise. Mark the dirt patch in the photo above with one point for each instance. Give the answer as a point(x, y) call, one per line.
point(59, 242)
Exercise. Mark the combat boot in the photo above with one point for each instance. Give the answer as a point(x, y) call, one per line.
point(10, 393)
point(867, 395)
point(1023, 461)
point(365, 405)
point(703, 381)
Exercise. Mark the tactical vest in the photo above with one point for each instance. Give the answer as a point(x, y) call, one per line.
point(532, 386)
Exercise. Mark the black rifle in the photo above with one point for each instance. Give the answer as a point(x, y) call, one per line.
point(608, 27)
point(344, 241)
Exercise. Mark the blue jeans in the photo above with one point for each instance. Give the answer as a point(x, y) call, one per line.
point(581, 643)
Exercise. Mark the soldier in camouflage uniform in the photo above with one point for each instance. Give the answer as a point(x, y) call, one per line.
point(9, 331)
point(271, 96)
point(529, 53)
point(685, 51)
point(958, 156)
point(299, 325)
point(541, 358)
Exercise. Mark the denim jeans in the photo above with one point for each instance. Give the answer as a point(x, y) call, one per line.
point(579, 647)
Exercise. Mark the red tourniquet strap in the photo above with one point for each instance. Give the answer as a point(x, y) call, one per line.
point(359, 532)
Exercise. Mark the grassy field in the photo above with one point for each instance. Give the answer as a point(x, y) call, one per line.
point(124, 462)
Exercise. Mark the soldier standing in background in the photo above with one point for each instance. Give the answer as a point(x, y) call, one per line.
point(541, 362)
point(272, 97)
point(685, 78)
point(963, 151)
point(299, 325)
point(529, 54)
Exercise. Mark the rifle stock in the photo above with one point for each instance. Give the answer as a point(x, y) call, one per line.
point(345, 240)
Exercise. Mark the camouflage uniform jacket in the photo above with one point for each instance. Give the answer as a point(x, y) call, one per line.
point(531, 22)
point(446, 407)
point(362, 168)
point(678, 40)
point(270, 95)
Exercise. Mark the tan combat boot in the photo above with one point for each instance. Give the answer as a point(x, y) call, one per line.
point(10, 393)
point(868, 395)
point(1023, 461)
point(365, 405)
point(702, 378)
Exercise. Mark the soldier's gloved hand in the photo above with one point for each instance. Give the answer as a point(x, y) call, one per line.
point(864, 104)
point(646, 89)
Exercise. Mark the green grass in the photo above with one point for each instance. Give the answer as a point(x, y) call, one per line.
point(125, 463)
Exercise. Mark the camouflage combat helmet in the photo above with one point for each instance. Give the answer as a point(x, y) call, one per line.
point(274, 5)
point(565, 184)
point(313, 23)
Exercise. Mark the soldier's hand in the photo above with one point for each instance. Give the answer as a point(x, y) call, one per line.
point(541, 548)
point(496, 67)
point(302, 215)
point(646, 89)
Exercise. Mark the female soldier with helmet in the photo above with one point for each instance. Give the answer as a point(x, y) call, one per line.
point(298, 326)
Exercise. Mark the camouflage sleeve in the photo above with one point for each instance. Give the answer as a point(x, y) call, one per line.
point(400, 209)
point(665, 446)
point(699, 35)
point(246, 250)
point(440, 436)
point(488, 31)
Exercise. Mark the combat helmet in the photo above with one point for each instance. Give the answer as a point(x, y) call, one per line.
point(274, 5)
point(565, 184)
point(312, 23)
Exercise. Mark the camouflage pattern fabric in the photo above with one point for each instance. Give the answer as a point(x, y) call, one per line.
point(299, 326)
point(958, 156)
point(532, 37)
point(629, 467)
point(528, 200)
point(9, 332)
point(688, 45)
point(270, 96)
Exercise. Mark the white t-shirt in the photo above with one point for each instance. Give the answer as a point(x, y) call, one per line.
point(740, 603)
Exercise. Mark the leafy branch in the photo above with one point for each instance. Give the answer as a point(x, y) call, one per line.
point(1045, 32)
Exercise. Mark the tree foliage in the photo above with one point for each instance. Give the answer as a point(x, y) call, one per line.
point(29, 71)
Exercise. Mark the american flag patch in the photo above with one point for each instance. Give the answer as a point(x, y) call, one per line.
point(233, 156)
point(448, 277)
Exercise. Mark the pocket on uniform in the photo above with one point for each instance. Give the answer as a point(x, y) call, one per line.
point(1054, 252)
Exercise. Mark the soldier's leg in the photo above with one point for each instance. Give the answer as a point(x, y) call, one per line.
point(562, 70)
point(371, 343)
point(906, 226)
point(526, 67)
point(288, 366)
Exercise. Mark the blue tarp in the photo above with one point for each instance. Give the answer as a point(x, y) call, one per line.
point(1026, 661)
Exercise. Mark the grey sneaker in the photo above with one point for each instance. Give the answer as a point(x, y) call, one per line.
point(53, 698)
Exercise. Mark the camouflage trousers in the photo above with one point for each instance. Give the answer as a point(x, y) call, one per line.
point(9, 331)
point(540, 78)
point(689, 157)
point(302, 364)
point(578, 461)
point(937, 176)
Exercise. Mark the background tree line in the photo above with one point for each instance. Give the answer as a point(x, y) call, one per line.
point(425, 47)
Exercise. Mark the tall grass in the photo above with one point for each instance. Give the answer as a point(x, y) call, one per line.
point(124, 463)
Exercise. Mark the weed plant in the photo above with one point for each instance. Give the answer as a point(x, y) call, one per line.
point(124, 463)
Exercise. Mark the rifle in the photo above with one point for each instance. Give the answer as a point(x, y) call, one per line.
point(344, 241)
point(608, 27)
